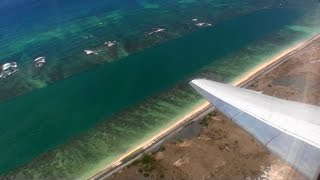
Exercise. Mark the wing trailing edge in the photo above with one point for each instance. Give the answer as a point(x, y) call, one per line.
point(289, 129)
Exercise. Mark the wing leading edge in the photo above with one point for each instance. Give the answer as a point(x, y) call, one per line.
point(289, 129)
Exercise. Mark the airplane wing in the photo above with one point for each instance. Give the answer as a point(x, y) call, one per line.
point(289, 129)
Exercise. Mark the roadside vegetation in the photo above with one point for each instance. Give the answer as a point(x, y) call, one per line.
point(205, 120)
point(147, 163)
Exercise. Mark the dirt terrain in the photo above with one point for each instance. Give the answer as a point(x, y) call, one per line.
point(297, 79)
point(222, 150)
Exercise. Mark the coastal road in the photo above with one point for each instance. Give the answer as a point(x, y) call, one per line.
point(153, 147)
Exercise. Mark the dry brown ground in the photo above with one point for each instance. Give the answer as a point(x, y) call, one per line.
point(297, 79)
point(224, 151)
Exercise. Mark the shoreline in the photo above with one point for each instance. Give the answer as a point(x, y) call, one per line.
point(274, 61)
point(141, 147)
point(242, 80)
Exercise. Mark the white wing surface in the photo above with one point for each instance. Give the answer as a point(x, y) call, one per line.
point(289, 129)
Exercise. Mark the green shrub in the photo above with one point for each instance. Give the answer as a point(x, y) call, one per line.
point(162, 148)
point(213, 113)
point(204, 121)
point(135, 162)
point(147, 159)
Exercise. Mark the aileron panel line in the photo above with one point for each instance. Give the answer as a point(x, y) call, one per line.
point(260, 130)
point(301, 155)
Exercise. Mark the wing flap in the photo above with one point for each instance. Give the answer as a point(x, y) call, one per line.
point(302, 155)
point(299, 154)
point(260, 130)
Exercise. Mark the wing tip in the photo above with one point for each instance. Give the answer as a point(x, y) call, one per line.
point(198, 81)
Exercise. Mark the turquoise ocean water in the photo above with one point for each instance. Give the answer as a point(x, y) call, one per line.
point(76, 114)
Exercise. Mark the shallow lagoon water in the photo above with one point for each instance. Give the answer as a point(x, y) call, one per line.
point(96, 99)
point(61, 31)
point(74, 127)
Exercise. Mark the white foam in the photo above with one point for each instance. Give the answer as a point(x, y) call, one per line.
point(110, 43)
point(6, 66)
point(87, 37)
point(200, 24)
point(8, 69)
point(157, 30)
point(88, 52)
point(40, 61)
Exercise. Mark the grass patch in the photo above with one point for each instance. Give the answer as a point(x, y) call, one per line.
point(205, 120)
point(147, 164)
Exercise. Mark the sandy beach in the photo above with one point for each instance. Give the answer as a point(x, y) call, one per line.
point(151, 141)
point(248, 76)
point(277, 58)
